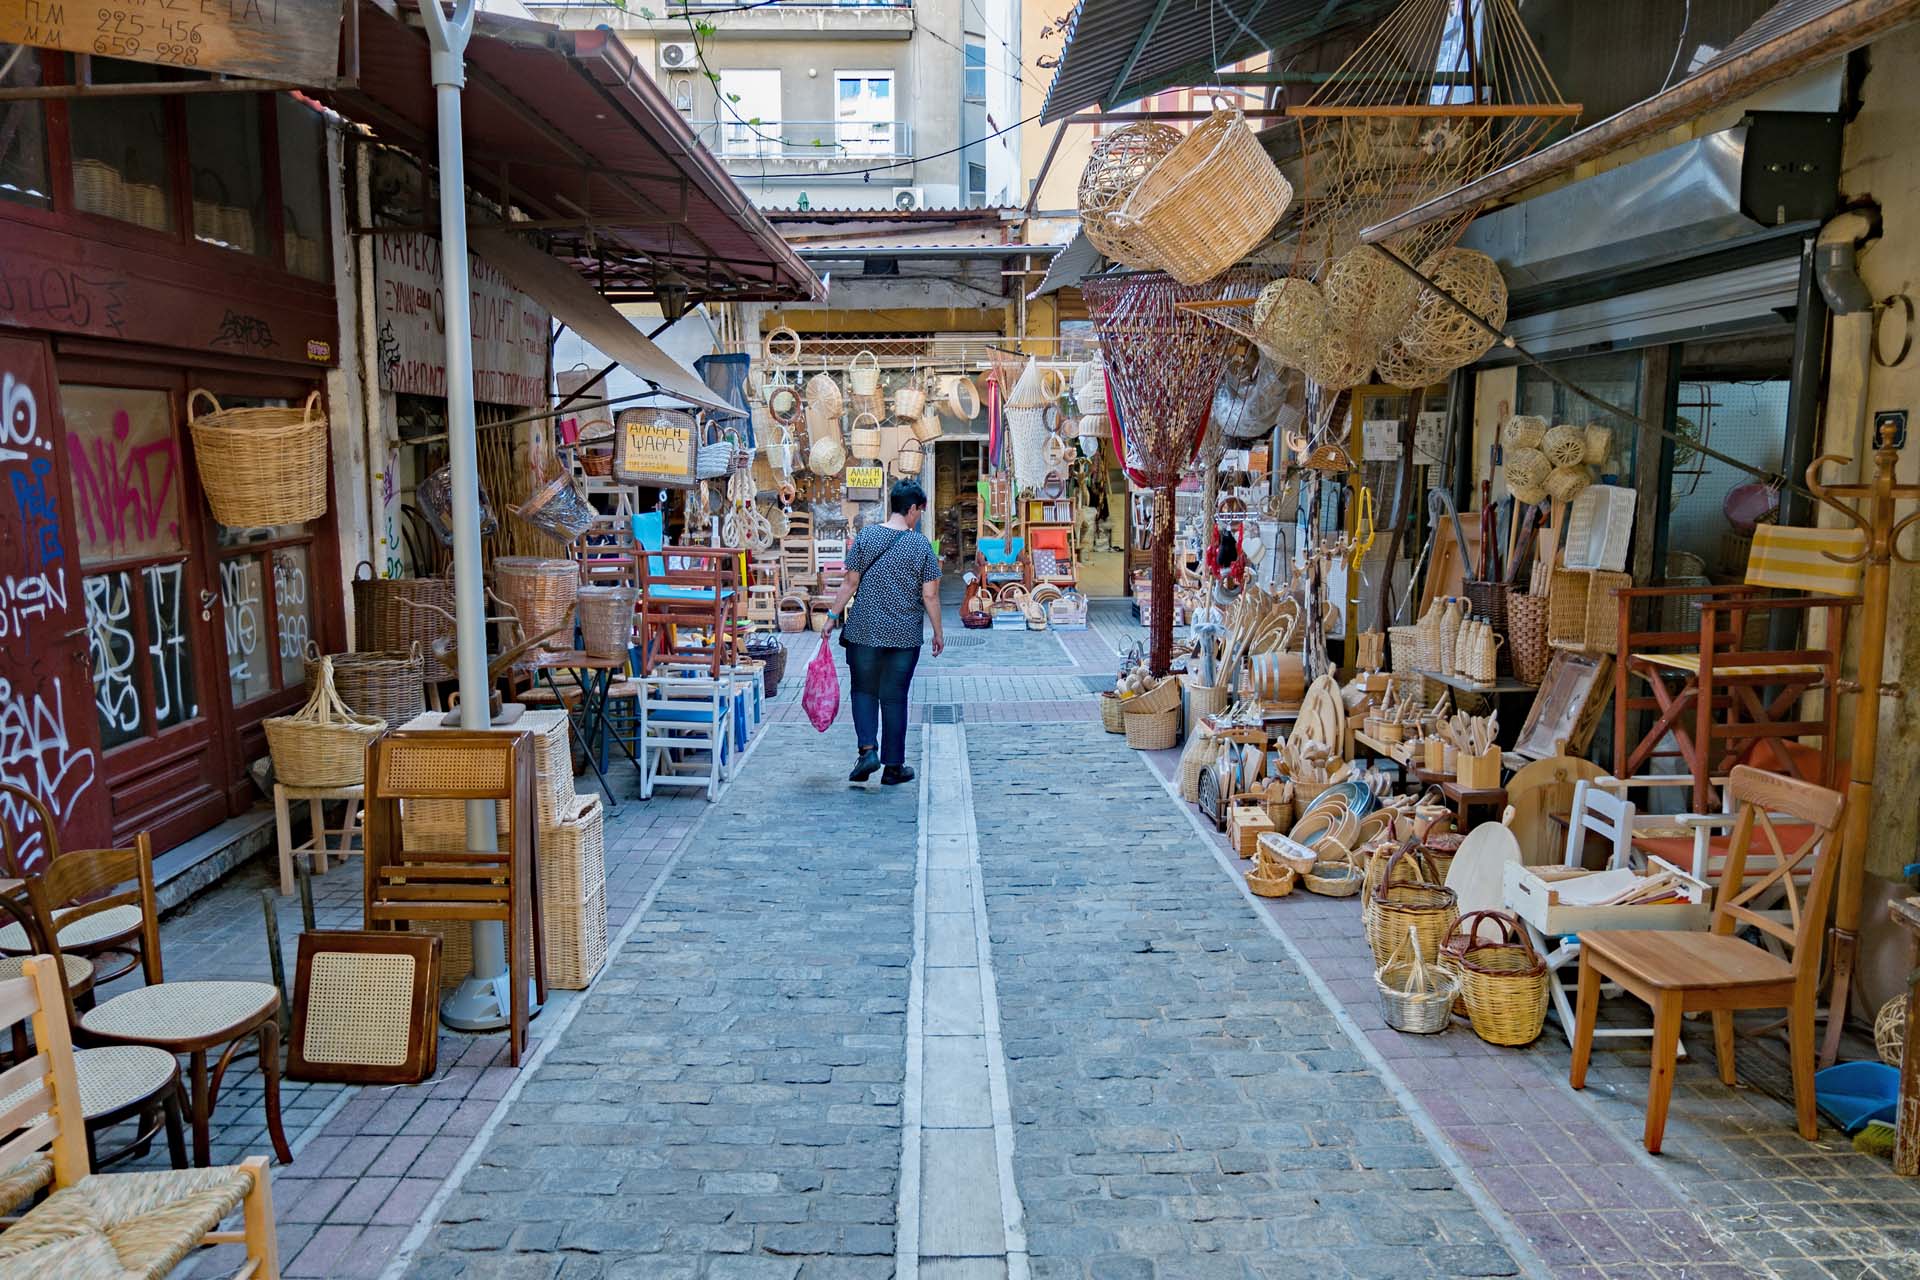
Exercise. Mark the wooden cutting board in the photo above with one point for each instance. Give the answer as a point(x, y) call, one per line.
point(1322, 716)
point(1477, 876)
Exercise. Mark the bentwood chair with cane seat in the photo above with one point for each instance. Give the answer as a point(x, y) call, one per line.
point(103, 1226)
point(189, 1019)
point(1716, 972)
point(92, 935)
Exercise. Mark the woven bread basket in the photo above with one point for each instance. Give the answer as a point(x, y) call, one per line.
point(260, 467)
point(1208, 202)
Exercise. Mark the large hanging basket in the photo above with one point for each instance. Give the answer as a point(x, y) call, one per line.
point(392, 615)
point(385, 686)
point(1209, 202)
point(323, 744)
point(541, 594)
point(260, 467)
point(1117, 164)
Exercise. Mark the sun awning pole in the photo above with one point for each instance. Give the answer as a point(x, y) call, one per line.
point(480, 1003)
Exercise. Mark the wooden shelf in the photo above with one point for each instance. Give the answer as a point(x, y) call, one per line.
point(1505, 684)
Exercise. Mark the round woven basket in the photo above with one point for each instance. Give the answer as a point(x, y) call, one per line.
point(541, 594)
point(1428, 909)
point(260, 467)
point(1206, 700)
point(1564, 484)
point(1436, 331)
point(1527, 469)
point(1118, 162)
point(385, 686)
point(1332, 878)
point(927, 428)
point(1504, 985)
point(963, 399)
point(1415, 996)
point(323, 744)
point(1337, 361)
point(1890, 1031)
point(1208, 202)
point(1527, 637)
point(1153, 730)
point(1398, 368)
point(1289, 316)
point(392, 615)
point(1471, 930)
point(909, 402)
point(863, 441)
point(1523, 431)
point(1367, 295)
point(826, 456)
point(1274, 882)
point(606, 620)
point(1565, 446)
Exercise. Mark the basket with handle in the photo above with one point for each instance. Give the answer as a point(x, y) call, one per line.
point(927, 428)
point(386, 686)
point(910, 401)
point(1487, 601)
point(864, 441)
point(1427, 909)
point(1270, 880)
point(863, 373)
point(260, 467)
point(1334, 874)
point(1415, 995)
point(820, 616)
point(1504, 985)
point(1208, 202)
point(1112, 716)
point(323, 744)
point(1470, 930)
point(790, 614)
point(385, 618)
point(1399, 863)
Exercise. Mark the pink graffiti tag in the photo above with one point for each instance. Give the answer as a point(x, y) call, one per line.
point(123, 489)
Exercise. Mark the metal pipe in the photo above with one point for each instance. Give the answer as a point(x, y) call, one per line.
point(480, 1002)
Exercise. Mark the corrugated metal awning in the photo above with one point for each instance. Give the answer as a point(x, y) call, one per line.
point(1070, 266)
point(1118, 51)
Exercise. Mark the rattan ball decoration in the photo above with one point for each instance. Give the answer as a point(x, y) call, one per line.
point(1523, 431)
point(1120, 160)
point(1367, 295)
point(1565, 446)
point(1337, 361)
point(1527, 471)
point(1289, 317)
point(1437, 331)
point(1564, 484)
point(1890, 1031)
point(1397, 368)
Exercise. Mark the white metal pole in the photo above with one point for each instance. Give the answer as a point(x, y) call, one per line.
point(480, 1003)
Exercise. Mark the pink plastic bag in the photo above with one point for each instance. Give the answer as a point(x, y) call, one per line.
point(821, 697)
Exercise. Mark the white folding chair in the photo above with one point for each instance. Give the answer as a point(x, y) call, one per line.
point(685, 732)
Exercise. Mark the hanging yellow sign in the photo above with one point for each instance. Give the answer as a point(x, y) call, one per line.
point(654, 449)
point(866, 477)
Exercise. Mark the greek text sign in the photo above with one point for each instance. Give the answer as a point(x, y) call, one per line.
point(509, 328)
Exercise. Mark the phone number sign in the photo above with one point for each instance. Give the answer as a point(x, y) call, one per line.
point(297, 41)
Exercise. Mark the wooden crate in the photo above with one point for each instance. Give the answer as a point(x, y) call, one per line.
point(1529, 894)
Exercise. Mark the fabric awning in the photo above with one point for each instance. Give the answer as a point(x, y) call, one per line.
point(558, 288)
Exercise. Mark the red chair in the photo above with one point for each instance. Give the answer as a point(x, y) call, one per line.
point(684, 587)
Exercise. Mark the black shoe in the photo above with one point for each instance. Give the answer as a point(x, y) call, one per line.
point(863, 767)
point(896, 774)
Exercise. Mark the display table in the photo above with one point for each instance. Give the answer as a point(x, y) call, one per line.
point(1491, 802)
point(587, 722)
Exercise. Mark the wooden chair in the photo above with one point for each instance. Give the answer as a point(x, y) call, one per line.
point(1717, 695)
point(1715, 972)
point(684, 586)
point(412, 877)
point(999, 561)
point(190, 1019)
point(93, 1224)
point(1056, 540)
point(92, 935)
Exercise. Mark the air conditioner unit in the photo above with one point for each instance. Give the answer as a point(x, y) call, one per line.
point(679, 56)
point(910, 198)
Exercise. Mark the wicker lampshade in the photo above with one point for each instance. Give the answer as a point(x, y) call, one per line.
point(1367, 295)
point(1337, 361)
point(1398, 368)
point(1289, 316)
point(1119, 161)
point(1437, 331)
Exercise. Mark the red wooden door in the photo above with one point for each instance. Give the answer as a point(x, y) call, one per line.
point(49, 744)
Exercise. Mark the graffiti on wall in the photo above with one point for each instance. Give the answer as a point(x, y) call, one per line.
point(124, 488)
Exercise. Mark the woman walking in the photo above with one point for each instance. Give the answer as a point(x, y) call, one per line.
point(893, 583)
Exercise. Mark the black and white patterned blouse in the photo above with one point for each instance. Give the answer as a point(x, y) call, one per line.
point(886, 611)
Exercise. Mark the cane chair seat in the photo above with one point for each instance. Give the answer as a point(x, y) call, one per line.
point(78, 969)
point(111, 925)
point(1691, 662)
point(181, 1014)
point(24, 1180)
point(122, 1225)
point(113, 1078)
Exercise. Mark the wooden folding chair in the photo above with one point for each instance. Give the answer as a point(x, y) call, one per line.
point(1717, 695)
point(407, 881)
point(697, 588)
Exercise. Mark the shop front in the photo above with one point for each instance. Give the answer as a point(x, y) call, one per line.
point(156, 251)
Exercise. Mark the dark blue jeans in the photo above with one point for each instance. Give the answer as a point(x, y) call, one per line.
point(880, 678)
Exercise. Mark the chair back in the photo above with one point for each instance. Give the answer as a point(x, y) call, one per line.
point(85, 882)
point(28, 832)
point(1759, 797)
point(49, 1113)
point(1825, 562)
point(1599, 811)
point(650, 534)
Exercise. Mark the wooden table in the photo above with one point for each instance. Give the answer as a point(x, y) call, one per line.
point(1467, 799)
point(1906, 1146)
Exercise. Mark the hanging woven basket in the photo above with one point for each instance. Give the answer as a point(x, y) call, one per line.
point(1437, 331)
point(260, 467)
point(863, 374)
point(1288, 318)
point(323, 744)
point(824, 397)
point(863, 442)
point(910, 401)
point(826, 456)
point(1337, 361)
point(927, 427)
point(1209, 202)
point(1117, 164)
point(1367, 295)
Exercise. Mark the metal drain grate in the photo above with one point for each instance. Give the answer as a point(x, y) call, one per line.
point(942, 713)
point(964, 641)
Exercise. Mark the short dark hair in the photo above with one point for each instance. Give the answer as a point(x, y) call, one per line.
point(905, 496)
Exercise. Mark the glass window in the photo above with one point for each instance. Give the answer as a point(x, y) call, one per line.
point(123, 465)
point(974, 77)
point(120, 151)
point(863, 122)
point(976, 184)
point(229, 182)
point(243, 595)
point(23, 133)
point(168, 652)
point(111, 644)
point(292, 613)
point(302, 135)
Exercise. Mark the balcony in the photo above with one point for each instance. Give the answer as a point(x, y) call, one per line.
point(802, 148)
point(787, 20)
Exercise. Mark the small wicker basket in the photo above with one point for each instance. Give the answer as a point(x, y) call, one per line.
point(540, 592)
point(1527, 637)
point(323, 744)
point(606, 620)
point(1153, 730)
point(1415, 995)
point(1271, 881)
point(790, 615)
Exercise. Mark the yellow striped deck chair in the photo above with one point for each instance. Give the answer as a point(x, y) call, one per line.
point(1786, 558)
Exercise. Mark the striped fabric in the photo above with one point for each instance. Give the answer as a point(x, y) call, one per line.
point(1793, 559)
point(1691, 662)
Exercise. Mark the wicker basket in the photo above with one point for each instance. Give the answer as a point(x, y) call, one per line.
point(1527, 637)
point(824, 397)
point(1208, 202)
point(1427, 909)
point(863, 373)
point(1437, 332)
point(909, 401)
point(385, 686)
point(1164, 696)
point(1582, 613)
point(1153, 730)
point(1206, 699)
point(323, 744)
point(1471, 930)
point(1112, 718)
point(1603, 610)
point(573, 899)
point(606, 620)
point(1273, 850)
point(1271, 882)
point(393, 615)
point(863, 442)
point(1488, 602)
point(1115, 167)
point(541, 593)
point(819, 617)
point(261, 467)
point(1504, 985)
point(1404, 649)
point(790, 615)
point(1332, 878)
point(1416, 996)
point(1890, 1031)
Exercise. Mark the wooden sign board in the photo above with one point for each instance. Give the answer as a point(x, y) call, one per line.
point(297, 41)
point(863, 484)
point(649, 451)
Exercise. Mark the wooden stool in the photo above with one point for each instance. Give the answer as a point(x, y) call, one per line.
point(315, 845)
